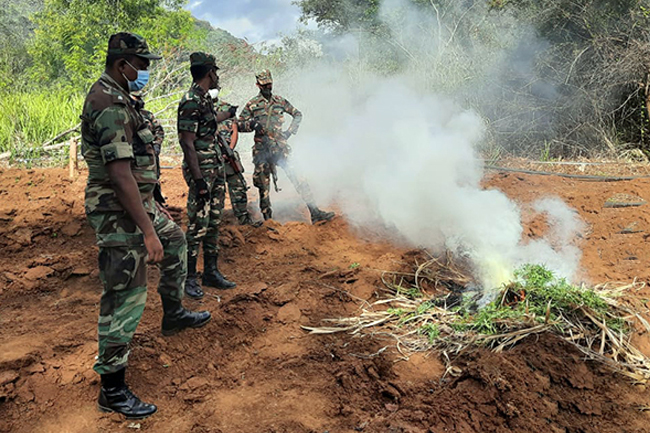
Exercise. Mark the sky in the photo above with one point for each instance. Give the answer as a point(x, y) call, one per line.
point(254, 20)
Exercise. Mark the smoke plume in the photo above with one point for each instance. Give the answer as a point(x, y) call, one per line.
point(400, 150)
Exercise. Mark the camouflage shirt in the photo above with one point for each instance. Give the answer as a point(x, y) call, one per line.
point(156, 129)
point(271, 114)
point(225, 128)
point(196, 114)
point(113, 129)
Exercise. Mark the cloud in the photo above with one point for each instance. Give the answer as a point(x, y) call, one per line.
point(195, 4)
point(255, 20)
point(238, 26)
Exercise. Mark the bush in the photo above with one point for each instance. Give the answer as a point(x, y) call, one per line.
point(30, 118)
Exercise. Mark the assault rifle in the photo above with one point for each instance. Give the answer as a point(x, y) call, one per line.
point(231, 158)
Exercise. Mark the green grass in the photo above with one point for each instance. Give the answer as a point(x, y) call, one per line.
point(28, 119)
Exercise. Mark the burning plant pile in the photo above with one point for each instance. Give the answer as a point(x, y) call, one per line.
point(437, 307)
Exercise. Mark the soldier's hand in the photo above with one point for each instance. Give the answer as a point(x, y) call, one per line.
point(202, 193)
point(233, 110)
point(163, 210)
point(258, 127)
point(155, 250)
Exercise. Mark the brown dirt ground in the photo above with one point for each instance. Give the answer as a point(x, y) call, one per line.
point(253, 369)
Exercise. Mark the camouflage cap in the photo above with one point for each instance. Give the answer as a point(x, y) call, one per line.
point(130, 43)
point(202, 59)
point(264, 77)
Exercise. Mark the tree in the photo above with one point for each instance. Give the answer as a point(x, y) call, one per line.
point(572, 74)
point(341, 15)
point(15, 31)
point(71, 36)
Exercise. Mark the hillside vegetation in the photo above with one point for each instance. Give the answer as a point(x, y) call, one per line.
point(557, 77)
point(551, 78)
point(50, 55)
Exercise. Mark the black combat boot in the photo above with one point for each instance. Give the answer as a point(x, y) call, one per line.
point(115, 396)
point(211, 275)
point(176, 318)
point(192, 287)
point(319, 215)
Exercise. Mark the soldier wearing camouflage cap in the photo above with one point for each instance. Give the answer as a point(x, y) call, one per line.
point(204, 173)
point(271, 147)
point(131, 229)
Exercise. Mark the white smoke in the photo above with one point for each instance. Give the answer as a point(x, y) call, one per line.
point(391, 151)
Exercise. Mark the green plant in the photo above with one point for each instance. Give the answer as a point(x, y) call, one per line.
point(396, 311)
point(544, 291)
point(545, 153)
point(30, 118)
point(431, 330)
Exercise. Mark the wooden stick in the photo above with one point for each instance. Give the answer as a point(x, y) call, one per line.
point(73, 158)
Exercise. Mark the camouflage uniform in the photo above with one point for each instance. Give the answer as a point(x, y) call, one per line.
point(274, 149)
point(113, 129)
point(236, 183)
point(196, 113)
point(158, 134)
point(158, 137)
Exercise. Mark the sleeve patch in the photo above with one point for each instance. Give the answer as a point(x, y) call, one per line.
point(188, 125)
point(116, 150)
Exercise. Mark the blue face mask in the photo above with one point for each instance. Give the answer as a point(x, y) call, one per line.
point(140, 81)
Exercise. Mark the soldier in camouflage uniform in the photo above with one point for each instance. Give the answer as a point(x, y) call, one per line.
point(158, 133)
point(229, 131)
point(271, 148)
point(131, 228)
point(158, 137)
point(203, 170)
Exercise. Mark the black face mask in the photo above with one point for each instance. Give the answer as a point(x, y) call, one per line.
point(266, 93)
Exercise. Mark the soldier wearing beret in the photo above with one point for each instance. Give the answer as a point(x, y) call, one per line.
point(204, 173)
point(271, 147)
point(131, 228)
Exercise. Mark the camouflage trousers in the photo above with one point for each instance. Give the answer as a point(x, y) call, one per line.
point(265, 162)
point(204, 217)
point(123, 272)
point(237, 192)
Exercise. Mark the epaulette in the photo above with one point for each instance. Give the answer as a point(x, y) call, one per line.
point(119, 99)
point(116, 97)
point(104, 96)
